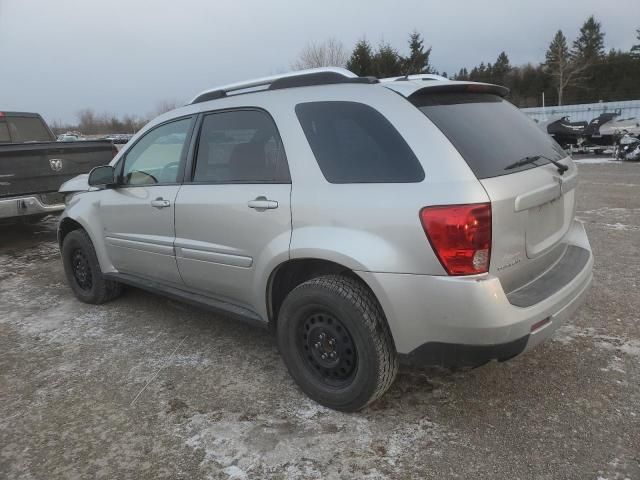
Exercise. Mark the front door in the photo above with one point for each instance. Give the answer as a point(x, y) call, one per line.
point(236, 209)
point(138, 216)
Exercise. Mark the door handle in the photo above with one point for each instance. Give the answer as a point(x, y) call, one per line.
point(160, 203)
point(261, 203)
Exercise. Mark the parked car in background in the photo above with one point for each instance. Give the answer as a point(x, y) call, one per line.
point(364, 222)
point(119, 139)
point(33, 165)
point(68, 137)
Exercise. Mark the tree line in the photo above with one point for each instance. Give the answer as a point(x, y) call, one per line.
point(91, 123)
point(581, 73)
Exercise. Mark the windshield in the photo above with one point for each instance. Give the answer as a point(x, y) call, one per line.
point(488, 131)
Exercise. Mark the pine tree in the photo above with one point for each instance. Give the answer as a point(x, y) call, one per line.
point(387, 62)
point(462, 75)
point(418, 59)
point(635, 50)
point(562, 65)
point(501, 69)
point(589, 46)
point(481, 73)
point(361, 60)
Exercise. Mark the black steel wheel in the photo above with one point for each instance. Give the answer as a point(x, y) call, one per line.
point(83, 272)
point(81, 269)
point(328, 348)
point(336, 343)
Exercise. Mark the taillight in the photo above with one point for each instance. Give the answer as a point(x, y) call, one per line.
point(460, 235)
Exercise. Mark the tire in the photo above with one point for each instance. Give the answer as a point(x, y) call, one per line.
point(361, 362)
point(83, 272)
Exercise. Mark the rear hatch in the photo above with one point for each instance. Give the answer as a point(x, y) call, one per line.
point(533, 204)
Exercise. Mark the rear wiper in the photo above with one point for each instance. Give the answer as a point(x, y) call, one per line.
point(532, 158)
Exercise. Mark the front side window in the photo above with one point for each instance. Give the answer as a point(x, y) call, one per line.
point(240, 146)
point(354, 143)
point(156, 157)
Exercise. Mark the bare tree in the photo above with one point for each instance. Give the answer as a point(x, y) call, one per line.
point(565, 68)
point(165, 106)
point(87, 121)
point(330, 53)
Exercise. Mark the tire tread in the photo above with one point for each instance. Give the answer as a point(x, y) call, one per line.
point(106, 290)
point(355, 292)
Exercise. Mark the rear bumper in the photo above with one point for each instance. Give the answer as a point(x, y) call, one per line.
point(470, 320)
point(28, 205)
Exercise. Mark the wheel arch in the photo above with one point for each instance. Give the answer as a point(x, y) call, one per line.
point(77, 222)
point(289, 274)
point(66, 226)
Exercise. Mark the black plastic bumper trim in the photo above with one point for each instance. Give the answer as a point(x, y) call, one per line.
point(570, 265)
point(454, 355)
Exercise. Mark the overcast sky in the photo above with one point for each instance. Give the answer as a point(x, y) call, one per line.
point(126, 56)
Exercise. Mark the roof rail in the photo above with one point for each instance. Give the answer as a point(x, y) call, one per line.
point(301, 78)
point(417, 76)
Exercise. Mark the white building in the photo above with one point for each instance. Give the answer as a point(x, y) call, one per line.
point(586, 112)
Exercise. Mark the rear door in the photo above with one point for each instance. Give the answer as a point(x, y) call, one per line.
point(237, 206)
point(138, 216)
point(533, 204)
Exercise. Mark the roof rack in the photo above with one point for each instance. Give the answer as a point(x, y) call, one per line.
point(417, 76)
point(301, 78)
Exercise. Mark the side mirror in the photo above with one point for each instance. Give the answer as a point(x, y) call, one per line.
point(102, 176)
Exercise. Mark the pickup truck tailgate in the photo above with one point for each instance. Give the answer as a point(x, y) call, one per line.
point(41, 167)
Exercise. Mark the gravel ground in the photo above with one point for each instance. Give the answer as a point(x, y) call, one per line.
point(145, 387)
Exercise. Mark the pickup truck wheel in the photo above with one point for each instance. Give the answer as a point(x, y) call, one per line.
point(83, 272)
point(336, 343)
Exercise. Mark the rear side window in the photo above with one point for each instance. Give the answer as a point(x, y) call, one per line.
point(354, 143)
point(240, 146)
point(4, 133)
point(28, 129)
point(488, 131)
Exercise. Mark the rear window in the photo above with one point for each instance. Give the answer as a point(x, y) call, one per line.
point(353, 143)
point(488, 131)
point(27, 129)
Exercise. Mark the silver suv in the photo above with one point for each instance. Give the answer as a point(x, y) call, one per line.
point(365, 222)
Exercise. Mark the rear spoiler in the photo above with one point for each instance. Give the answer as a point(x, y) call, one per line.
point(460, 87)
point(409, 87)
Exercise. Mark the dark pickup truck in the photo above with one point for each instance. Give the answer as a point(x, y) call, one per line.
point(33, 165)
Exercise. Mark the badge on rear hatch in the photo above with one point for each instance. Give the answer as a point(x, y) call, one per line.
point(510, 260)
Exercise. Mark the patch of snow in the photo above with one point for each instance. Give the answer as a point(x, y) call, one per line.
point(607, 211)
point(567, 333)
point(310, 409)
point(235, 472)
point(595, 161)
point(264, 444)
point(620, 227)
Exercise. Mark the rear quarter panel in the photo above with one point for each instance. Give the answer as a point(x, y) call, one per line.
point(370, 226)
